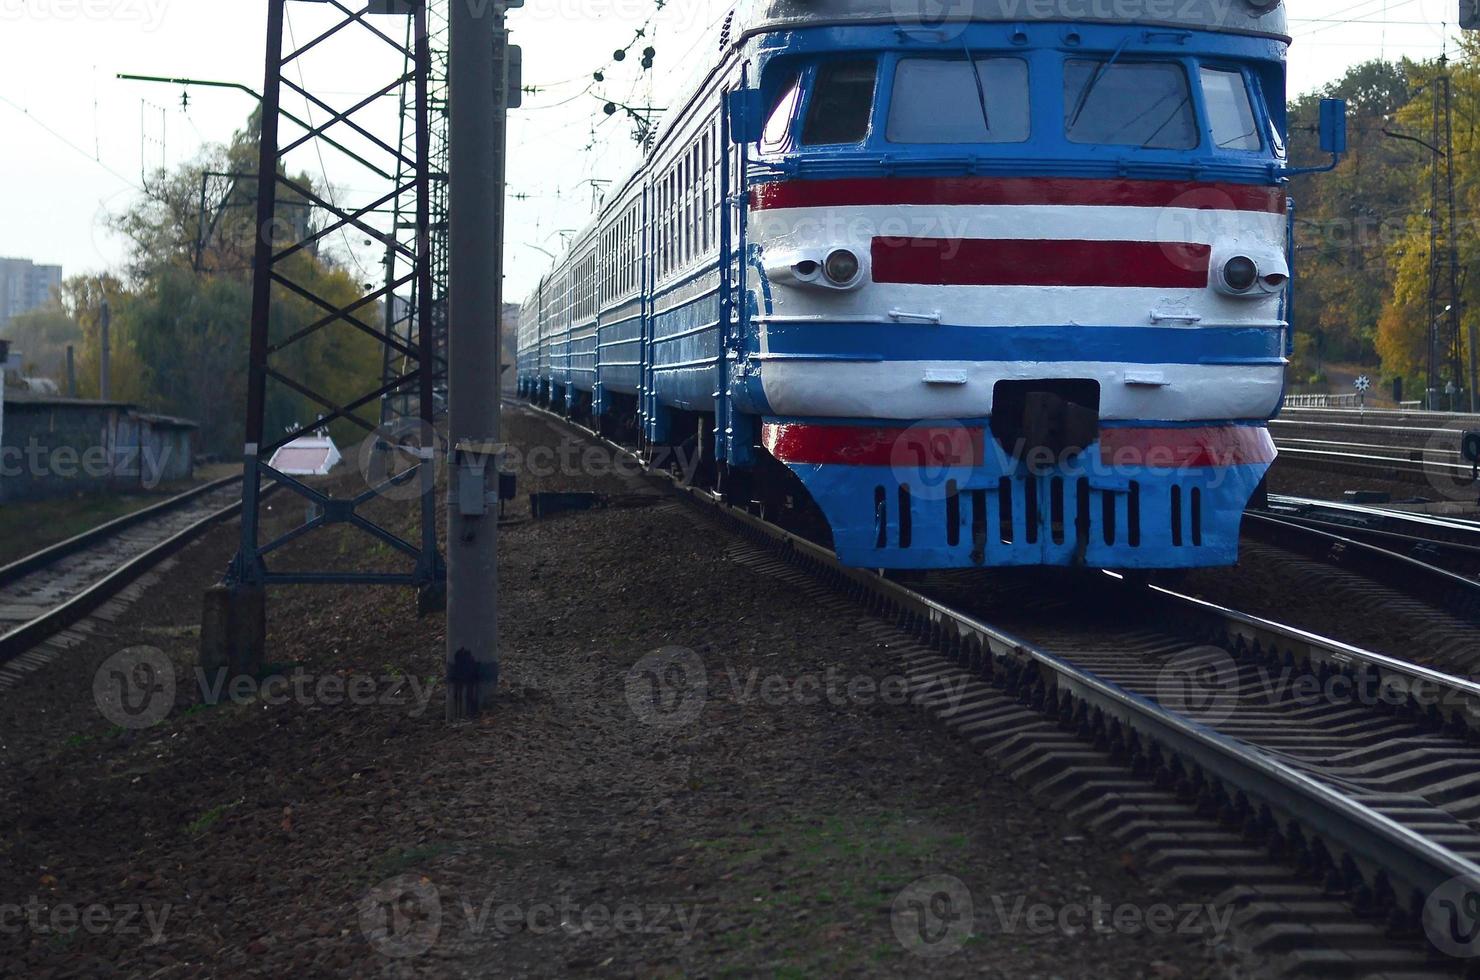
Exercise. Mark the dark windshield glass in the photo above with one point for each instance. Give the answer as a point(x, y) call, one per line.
point(1129, 104)
point(939, 101)
point(842, 103)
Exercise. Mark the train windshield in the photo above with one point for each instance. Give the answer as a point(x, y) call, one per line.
point(776, 135)
point(841, 104)
point(1146, 104)
point(1230, 114)
point(938, 101)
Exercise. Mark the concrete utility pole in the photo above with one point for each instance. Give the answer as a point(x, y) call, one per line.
point(105, 320)
point(71, 372)
point(477, 81)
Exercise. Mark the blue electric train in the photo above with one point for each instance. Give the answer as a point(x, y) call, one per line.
point(1006, 285)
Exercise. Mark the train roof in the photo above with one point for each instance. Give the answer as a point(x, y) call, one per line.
point(1265, 18)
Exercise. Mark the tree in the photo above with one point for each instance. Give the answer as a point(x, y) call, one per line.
point(1345, 220)
point(41, 338)
point(182, 306)
point(1402, 337)
point(128, 373)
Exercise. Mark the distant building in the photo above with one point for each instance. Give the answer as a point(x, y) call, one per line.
point(25, 286)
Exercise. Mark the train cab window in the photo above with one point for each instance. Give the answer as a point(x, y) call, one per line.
point(1230, 113)
point(1145, 104)
point(841, 104)
point(941, 101)
point(776, 135)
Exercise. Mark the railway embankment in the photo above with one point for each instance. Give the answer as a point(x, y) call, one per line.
point(693, 768)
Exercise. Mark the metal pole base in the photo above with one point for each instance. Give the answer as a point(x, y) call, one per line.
point(431, 598)
point(470, 685)
point(233, 630)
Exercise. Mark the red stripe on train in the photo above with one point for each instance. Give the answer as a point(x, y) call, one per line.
point(1221, 445)
point(1195, 195)
point(862, 445)
point(947, 445)
point(1040, 262)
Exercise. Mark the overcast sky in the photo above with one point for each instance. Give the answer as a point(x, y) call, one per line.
point(76, 139)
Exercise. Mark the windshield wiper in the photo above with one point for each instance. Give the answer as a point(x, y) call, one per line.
point(981, 92)
point(1089, 88)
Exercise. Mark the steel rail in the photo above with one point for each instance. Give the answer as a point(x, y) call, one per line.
point(1422, 580)
point(1411, 454)
point(1450, 545)
point(1460, 527)
point(1437, 420)
point(1370, 428)
point(35, 631)
point(1386, 851)
point(1407, 470)
point(49, 555)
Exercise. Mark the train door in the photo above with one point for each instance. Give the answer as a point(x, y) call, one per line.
point(735, 435)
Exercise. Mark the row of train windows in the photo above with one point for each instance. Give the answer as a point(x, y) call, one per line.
point(686, 203)
point(685, 226)
point(986, 100)
point(619, 250)
point(575, 295)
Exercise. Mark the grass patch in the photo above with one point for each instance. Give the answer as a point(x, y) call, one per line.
point(398, 860)
point(205, 821)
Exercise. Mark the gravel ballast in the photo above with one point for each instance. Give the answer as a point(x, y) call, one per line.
point(690, 769)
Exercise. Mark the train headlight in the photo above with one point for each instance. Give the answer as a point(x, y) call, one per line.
point(1249, 271)
point(1240, 273)
point(841, 267)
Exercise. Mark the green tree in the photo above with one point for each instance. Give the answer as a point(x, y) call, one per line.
point(41, 338)
point(1404, 324)
point(183, 307)
point(1347, 219)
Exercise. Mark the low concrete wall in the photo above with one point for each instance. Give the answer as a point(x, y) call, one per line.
point(54, 447)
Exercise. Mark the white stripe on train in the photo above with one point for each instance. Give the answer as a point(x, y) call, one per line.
point(900, 389)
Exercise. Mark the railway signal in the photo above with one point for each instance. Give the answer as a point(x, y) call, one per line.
point(1469, 449)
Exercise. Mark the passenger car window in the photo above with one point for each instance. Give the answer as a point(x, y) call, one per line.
point(775, 135)
point(938, 101)
point(842, 103)
point(1129, 104)
point(1230, 114)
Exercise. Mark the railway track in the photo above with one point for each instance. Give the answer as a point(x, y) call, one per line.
point(46, 593)
point(1332, 793)
point(1437, 573)
point(1423, 449)
point(1449, 544)
point(1383, 416)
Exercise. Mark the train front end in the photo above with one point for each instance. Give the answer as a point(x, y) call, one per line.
point(1018, 288)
